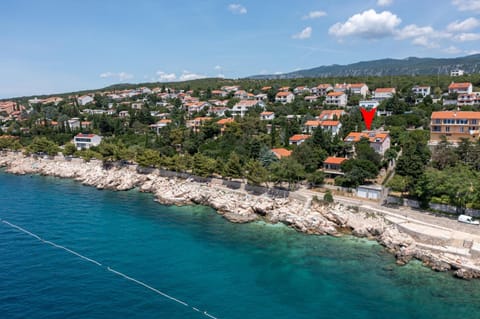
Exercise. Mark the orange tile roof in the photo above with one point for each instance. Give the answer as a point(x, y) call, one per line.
point(329, 114)
point(335, 94)
point(165, 121)
point(266, 88)
point(334, 160)
point(281, 152)
point(279, 94)
point(462, 85)
point(299, 137)
point(357, 85)
point(455, 115)
point(329, 123)
point(385, 90)
point(202, 118)
point(372, 136)
point(324, 86)
point(266, 113)
point(314, 123)
point(225, 121)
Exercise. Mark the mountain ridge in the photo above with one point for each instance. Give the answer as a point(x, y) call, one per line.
point(385, 67)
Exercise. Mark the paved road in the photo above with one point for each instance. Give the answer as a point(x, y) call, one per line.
point(420, 215)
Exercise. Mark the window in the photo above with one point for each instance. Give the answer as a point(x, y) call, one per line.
point(447, 129)
point(473, 122)
point(461, 129)
point(436, 128)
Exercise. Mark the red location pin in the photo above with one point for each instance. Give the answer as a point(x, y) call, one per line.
point(368, 116)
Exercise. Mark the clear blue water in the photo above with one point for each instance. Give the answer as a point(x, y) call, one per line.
point(191, 253)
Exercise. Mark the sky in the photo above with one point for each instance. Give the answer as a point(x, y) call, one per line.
point(55, 46)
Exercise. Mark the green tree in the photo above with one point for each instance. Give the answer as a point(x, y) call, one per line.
point(316, 178)
point(69, 149)
point(233, 167)
point(255, 173)
point(287, 169)
point(328, 197)
point(148, 158)
point(43, 145)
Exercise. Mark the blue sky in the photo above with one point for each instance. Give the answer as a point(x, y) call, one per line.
point(54, 46)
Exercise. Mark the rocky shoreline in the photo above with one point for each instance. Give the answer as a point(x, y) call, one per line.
point(240, 207)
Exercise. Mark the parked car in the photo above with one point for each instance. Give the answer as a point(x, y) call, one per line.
point(468, 220)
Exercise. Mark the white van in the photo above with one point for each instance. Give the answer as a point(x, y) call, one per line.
point(468, 220)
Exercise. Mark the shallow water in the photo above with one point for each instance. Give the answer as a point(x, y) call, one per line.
point(194, 255)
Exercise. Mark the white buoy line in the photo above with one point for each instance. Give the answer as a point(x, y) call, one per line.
point(107, 268)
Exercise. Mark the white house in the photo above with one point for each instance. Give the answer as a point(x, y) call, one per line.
point(85, 141)
point(84, 100)
point(379, 141)
point(381, 94)
point(465, 87)
point(331, 126)
point(324, 88)
point(298, 139)
point(336, 98)
point(242, 107)
point(267, 116)
point(261, 97)
point(421, 90)
point(285, 97)
point(369, 104)
point(359, 88)
point(457, 72)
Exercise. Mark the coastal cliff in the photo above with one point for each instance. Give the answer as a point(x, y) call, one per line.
point(240, 206)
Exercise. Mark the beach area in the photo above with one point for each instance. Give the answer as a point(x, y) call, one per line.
point(439, 243)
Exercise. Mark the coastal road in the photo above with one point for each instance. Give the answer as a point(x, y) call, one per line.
point(402, 211)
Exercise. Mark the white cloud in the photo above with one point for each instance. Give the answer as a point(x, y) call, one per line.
point(384, 3)
point(413, 31)
point(467, 5)
point(220, 75)
point(121, 76)
point(166, 77)
point(236, 8)
point(471, 52)
point(465, 25)
point(304, 34)
point(314, 15)
point(217, 67)
point(463, 37)
point(368, 24)
point(452, 50)
point(187, 76)
point(425, 42)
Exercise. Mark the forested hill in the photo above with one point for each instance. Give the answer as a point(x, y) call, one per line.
point(384, 67)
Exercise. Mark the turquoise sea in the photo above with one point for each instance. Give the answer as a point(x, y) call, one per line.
point(142, 255)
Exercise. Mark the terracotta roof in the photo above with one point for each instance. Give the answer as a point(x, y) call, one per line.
point(372, 136)
point(266, 113)
point(299, 137)
point(225, 121)
point(281, 152)
point(335, 94)
point(324, 86)
point(165, 121)
point(385, 90)
point(334, 160)
point(314, 123)
point(455, 115)
point(279, 94)
point(202, 118)
point(329, 123)
point(462, 85)
point(357, 85)
point(84, 135)
point(266, 88)
point(329, 114)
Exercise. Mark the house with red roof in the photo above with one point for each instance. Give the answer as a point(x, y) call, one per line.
point(85, 141)
point(359, 88)
point(336, 98)
point(284, 97)
point(281, 152)
point(379, 140)
point(381, 94)
point(298, 139)
point(267, 116)
point(464, 87)
point(332, 165)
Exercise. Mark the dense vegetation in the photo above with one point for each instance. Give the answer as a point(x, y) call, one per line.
point(243, 148)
